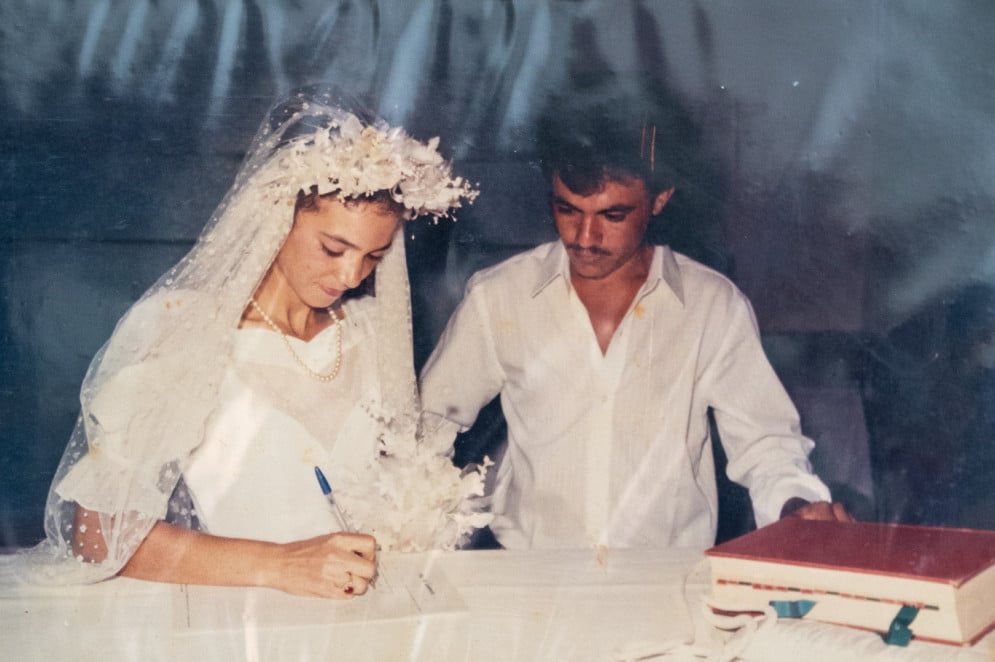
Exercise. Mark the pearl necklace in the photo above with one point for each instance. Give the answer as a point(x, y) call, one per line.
point(327, 377)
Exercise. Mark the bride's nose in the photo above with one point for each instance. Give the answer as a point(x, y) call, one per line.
point(351, 271)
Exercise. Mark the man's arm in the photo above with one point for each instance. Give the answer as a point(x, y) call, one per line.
point(758, 424)
point(463, 373)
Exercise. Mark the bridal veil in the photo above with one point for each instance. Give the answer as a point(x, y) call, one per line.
point(151, 390)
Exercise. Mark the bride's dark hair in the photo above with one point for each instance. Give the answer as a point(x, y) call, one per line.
point(382, 199)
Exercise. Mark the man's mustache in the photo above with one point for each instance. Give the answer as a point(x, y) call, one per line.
point(592, 250)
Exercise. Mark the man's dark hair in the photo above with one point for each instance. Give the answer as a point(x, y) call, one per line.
point(588, 136)
point(620, 138)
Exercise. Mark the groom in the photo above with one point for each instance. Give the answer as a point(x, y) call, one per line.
point(608, 354)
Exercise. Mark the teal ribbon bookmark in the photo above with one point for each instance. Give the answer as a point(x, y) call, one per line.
point(792, 608)
point(899, 633)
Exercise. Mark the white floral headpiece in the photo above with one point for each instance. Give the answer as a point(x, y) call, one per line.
point(356, 160)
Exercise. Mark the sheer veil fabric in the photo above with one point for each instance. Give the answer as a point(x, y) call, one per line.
point(151, 390)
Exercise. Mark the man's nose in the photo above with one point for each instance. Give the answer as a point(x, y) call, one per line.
point(588, 232)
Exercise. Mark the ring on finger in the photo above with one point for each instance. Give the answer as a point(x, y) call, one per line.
point(349, 589)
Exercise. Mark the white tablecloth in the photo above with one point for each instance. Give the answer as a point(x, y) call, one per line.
point(491, 605)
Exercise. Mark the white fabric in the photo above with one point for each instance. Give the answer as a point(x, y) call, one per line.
point(628, 427)
point(253, 477)
point(533, 606)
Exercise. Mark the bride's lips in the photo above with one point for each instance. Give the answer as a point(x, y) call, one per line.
point(335, 294)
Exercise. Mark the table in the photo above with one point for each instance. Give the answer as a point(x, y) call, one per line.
point(491, 605)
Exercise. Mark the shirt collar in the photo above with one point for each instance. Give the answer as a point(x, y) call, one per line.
point(555, 264)
point(664, 268)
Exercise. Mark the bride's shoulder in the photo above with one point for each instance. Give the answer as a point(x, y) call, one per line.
point(165, 307)
point(173, 301)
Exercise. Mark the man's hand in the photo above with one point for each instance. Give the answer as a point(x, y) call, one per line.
point(821, 510)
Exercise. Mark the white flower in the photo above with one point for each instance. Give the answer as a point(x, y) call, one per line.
point(413, 498)
point(356, 160)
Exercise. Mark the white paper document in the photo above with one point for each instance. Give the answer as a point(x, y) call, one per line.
point(409, 586)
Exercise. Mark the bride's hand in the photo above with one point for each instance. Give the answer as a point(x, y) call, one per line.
point(336, 565)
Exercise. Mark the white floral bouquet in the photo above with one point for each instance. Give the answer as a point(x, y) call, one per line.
point(415, 498)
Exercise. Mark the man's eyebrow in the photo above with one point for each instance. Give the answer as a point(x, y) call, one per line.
point(614, 209)
point(342, 240)
point(557, 200)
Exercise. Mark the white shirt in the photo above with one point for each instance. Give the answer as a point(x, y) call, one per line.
point(614, 449)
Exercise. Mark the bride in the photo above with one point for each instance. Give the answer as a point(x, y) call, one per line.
point(278, 349)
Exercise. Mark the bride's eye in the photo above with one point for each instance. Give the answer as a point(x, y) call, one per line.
point(330, 252)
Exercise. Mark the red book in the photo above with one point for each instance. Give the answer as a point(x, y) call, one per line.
point(861, 573)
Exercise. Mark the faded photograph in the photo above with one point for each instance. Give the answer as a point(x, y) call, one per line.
point(547, 282)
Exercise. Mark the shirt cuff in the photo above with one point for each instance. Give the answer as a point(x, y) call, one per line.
point(767, 510)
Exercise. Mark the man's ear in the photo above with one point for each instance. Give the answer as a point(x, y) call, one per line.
point(661, 200)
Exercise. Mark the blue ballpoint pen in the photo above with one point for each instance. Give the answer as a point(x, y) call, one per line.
point(343, 521)
point(326, 489)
